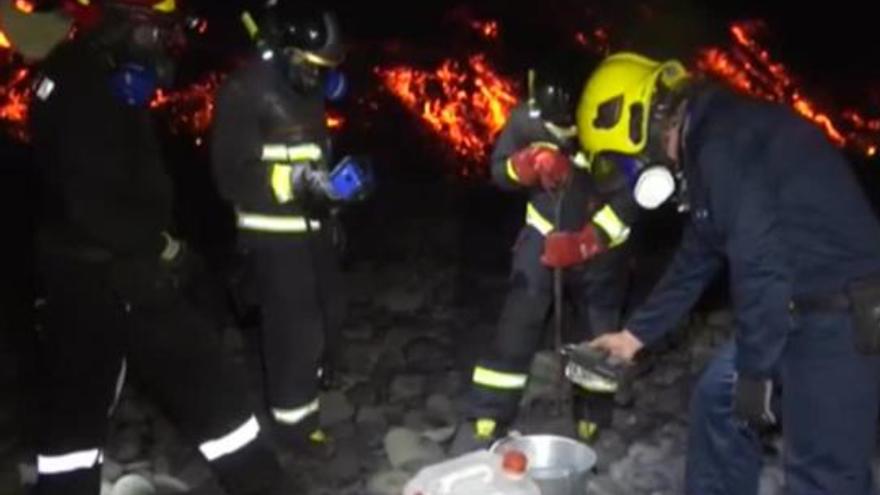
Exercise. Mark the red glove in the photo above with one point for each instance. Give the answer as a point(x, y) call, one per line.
point(565, 249)
point(542, 163)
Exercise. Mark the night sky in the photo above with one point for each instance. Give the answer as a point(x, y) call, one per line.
point(833, 47)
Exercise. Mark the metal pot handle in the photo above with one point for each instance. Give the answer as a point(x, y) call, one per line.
point(510, 435)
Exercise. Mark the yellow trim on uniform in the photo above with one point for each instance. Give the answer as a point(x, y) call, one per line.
point(281, 182)
point(484, 428)
point(511, 171)
point(538, 221)
point(296, 415)
point(308, 152)
point(166, 6)
point(544, 144)
point(274, 153)
point(586, 430)
point(250, 25)
point(608, 220)
point(318, 436)
point(314, 58)
point(499, 379)
point(276, 223)
point(581, 161)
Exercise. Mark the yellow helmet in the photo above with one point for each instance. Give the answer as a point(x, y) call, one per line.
point(615, 106)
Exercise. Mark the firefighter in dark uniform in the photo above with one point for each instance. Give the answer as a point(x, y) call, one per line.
point(537, 153)
point(112, 271)
point(771, 198)
point(271, 159)
point(32, 34)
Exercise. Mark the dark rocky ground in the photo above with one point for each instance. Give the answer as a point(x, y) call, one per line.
point(407, 345)
point(425, 289)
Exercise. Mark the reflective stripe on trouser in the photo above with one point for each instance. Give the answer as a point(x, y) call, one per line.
point(231, 442)
point(499, 379)
point(298, 290)
point(495, 393)
point(276, 223)
point(296, 415)
point(68, 462)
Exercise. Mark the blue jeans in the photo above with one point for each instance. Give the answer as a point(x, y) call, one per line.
point(829, 412)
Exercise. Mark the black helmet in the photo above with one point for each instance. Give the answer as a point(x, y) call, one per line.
point(311, 33)
point(554, 87)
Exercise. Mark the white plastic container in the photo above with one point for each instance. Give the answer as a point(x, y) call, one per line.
point(477, 473)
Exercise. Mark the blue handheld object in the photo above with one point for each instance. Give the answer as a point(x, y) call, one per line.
point(134, 84)
point(350, 179)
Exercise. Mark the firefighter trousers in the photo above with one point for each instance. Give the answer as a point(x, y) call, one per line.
point(296, 280)
point(595, 293)
point(94, 339)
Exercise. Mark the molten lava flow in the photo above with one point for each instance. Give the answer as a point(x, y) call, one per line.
point(25, 6)
point(487, 29)
point(748, 67)
point(466, 105)
point(190, 110)
point(335, 121)
point(15, 97)
point(598, 41)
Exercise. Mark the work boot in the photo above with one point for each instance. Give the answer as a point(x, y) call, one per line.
point(474, 435)
point(322, 459)
point(318, 447)
point(587, 431)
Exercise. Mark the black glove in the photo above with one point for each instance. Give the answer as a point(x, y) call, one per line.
point(751, 401)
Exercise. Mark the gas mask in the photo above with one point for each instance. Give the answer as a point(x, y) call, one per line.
point(156, 46)
point(652, 184)
point(143, 53)
point(308, 78)
point(653, 175)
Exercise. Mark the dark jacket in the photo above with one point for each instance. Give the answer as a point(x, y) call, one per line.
point(256, 107)
point(101, 166)
point(773, 200)
point(588, 191)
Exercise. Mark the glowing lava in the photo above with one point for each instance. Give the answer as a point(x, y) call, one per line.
point(190, 110)
point(597, 41)
point(748, 67)
point(486, 29)
point(335, 121)
point(15, 98)
point(466, 104)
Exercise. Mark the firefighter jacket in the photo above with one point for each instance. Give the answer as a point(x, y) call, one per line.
point(607, 203)
point(105, 190)
point(263, 127)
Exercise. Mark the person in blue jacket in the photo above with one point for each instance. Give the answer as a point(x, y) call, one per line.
point(777, 204)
